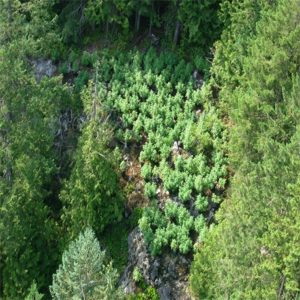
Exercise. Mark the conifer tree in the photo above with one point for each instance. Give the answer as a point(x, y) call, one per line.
point(29, 112)
point(253, 252)
point(34, 293)
point(92, 196)
point(84, 272)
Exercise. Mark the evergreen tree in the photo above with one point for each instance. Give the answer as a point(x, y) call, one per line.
point(194, 17)
point(73, 21)
point(29, 111)
point(34, 293)
point(109, 12)
point(92, 196)
point(31, 27)
point(84, 272)
point(253, 252)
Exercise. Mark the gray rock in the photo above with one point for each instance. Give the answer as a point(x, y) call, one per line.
point(154, 270)
point(165, 292)
point(176, 148)
point(43, 67)
point(172, 270)
point(198, 79)
point(168, 273)
point(157, 282)
point(154, 40)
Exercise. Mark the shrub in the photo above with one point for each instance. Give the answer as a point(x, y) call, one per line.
point(88, 59)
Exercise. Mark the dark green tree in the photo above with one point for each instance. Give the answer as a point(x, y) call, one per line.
point(253, 252)
point(92, 196)
point(29, 112)
point(73, 21)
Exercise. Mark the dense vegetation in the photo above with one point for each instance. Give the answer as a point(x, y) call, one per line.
point(253, 253)
point(194, 102)
point(156, 104)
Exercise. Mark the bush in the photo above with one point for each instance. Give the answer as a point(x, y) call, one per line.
point(146, 171)
point(136, 275)
point(150, 190)
point(81, 80)
point(88, 59)
point(171, 227)
point(157, 104)
point(63, 68)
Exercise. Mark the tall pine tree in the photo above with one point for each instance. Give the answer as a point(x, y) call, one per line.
point(84, 272)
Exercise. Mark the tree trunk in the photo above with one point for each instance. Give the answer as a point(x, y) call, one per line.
point(137, 21)
point(106, 30)
point(177, 32)
point(150, 26)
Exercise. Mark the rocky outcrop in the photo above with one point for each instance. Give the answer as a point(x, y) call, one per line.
point(168, 273)
point(43, 67)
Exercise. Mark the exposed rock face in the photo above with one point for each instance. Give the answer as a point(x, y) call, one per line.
point(198, 79)
point(168, 273)
point(43, 67)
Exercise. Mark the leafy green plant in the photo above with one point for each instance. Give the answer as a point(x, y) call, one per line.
point(150, 190)
point(181, 150)
point(136, 275)
point(81, 80)
point(63, 68)
point(172, 228)
point(149, 293)
point(146, 171)
point(88, 59)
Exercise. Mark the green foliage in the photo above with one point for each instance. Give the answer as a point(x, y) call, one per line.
point(135, 216)
point(182, 151)
point(146, 171)
point(170, 227)
point(151, 102)
point(84, 273)
point(72, 20)
point(92, 196)
point(115, 241)
point(253, 252)
point(149, 293)
point(32, 160)
point(112, 12)
point(34, 293)
point(150, 190)
point(136, 275)
point(43, 28)
point(194, 17)
point(144, 291)
point(31, 26)
point(80, 81)
point(88, 59)
point(118, 21)
point(28, 236)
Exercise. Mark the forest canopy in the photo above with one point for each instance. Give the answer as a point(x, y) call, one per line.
point(161, 131)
